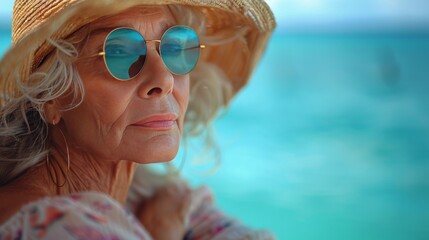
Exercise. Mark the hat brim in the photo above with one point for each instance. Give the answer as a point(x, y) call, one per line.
point(29, 50)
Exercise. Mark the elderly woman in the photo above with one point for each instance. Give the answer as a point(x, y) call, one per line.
point(93, 88)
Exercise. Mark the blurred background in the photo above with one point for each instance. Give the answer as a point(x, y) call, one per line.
point(330, 140)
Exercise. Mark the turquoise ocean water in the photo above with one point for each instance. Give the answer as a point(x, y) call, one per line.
point(330, 140)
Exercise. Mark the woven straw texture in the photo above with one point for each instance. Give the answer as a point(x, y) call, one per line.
point(34, 21)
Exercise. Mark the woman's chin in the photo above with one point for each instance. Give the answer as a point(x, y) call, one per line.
point(161, 158)
point(162, 148)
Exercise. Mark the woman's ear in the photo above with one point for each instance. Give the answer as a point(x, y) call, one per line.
point(52, 112)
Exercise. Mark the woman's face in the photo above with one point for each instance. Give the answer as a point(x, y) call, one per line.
point(139, 120)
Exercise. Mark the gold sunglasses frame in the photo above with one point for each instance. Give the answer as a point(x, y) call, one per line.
point(201, 46)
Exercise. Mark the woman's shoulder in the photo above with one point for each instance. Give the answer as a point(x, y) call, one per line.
point(88, 215)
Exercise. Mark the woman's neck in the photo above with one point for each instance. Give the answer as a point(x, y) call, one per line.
point(70, 169)
point(85, 174)
point(89, 174)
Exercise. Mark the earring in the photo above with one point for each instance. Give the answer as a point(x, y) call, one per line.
point(67, 150)
point(48, 163)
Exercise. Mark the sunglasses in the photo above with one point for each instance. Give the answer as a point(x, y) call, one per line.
point(125, 50)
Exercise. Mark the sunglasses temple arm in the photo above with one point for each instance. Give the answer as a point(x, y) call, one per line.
point(91, 56)
point(199, 46)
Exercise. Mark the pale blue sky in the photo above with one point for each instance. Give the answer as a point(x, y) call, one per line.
point(351, 13)
point(298, 13)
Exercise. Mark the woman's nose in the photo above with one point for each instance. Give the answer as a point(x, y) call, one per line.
point(156, 79)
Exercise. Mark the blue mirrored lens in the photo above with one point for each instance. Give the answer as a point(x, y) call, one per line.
point(125, 53)
point(180, 49)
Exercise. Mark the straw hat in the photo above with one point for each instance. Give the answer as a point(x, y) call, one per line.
point(34, 21)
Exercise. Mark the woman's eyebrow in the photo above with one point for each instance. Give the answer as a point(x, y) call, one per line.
point(165, 26)
point(103, 30)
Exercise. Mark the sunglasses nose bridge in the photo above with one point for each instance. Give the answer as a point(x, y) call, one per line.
point(157, 43)
point(157, 80)
point(154, 41)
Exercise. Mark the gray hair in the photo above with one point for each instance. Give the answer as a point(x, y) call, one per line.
point(23, 128)
point(24, 131)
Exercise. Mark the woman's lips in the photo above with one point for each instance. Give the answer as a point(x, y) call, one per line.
point(159, 122)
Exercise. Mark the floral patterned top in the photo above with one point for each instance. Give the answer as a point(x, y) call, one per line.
point(96, 216)
point(88, 215)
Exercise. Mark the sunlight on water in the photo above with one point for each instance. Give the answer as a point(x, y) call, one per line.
point(330, 140)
